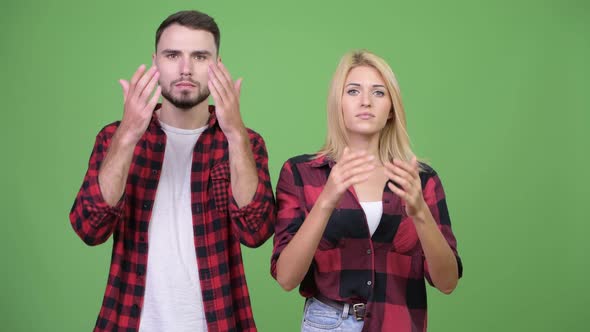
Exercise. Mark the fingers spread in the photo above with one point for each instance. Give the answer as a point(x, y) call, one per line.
point(143, 82)
point(154, 100)
point(149, 89)
point(137, 75)
point(409, 167)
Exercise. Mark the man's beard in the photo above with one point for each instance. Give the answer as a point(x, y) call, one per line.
point(184, 102)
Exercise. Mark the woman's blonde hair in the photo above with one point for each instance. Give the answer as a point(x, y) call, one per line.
point(394, 141)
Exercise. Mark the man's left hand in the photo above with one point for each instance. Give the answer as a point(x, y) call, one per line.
point(226, 95)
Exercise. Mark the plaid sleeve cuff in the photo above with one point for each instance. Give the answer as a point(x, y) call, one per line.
point(252, 212)
point(459, 270)
point(99, 211)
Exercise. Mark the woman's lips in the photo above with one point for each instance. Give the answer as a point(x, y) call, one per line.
point(365, 116)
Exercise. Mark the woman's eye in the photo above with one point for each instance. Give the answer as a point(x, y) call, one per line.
point(379, 93)
point(352, 92)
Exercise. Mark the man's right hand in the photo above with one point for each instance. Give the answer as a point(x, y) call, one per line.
point(139, 103)
point(139, 107)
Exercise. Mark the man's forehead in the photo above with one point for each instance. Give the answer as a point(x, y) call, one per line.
point(185, 38)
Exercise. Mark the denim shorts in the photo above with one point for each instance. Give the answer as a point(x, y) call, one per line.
point(318, 316)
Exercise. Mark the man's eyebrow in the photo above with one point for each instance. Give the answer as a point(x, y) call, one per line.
point(193, 53)
point(201, 52)
point(170, 51)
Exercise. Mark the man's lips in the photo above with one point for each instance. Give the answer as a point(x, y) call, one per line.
point(185, 85)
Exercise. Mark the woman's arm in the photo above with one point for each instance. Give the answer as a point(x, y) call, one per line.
point(294, 260)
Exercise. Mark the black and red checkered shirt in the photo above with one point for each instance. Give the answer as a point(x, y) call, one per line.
point(219, 226)
point(386, 270)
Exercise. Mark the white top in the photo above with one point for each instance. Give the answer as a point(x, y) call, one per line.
point(173, 299)
point(373, 211)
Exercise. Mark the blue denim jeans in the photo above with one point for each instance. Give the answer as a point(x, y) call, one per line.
point(318, 316)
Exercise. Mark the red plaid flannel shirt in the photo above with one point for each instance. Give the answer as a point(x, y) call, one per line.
point(386, 271)
point(219, 226)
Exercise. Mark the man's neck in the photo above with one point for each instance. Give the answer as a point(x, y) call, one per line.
point(192, 118)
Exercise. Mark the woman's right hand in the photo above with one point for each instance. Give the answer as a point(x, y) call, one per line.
point(351, 169)
point(294, 261)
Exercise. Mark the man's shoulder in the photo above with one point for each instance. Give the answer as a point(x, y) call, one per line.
point(254, 135)
point(109, 130)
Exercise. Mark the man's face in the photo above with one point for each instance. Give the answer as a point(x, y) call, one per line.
point(182, 57)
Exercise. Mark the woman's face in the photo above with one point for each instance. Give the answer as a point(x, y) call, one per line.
point(366, 104)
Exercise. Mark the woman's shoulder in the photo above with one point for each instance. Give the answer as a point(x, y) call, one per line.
point(426, 169)
point(427, 172)
point(311, 158)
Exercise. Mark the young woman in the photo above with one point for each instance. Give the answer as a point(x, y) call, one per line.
point(362, 223)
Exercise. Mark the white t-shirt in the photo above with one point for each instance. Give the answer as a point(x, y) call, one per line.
point(373, 211)
point(173, 299)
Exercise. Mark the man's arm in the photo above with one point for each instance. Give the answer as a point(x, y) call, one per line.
point(252, 205)
point(100, 202)
point(226, 94)
point(136, 117)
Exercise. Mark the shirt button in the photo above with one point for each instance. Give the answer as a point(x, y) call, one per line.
point(369, 251)
point(146, 205)
point(154, 171)
point(369, 282)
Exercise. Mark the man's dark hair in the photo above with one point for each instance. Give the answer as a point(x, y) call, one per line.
point(191, 19)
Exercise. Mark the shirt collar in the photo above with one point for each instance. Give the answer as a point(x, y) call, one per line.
point(322, 161)
point(210, 123)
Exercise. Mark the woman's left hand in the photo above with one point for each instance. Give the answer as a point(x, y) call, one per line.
point(406, 175)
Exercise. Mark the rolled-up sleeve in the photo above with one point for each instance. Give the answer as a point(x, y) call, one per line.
point(254, 221)
point(92, 218)
point(434, 196)
point(290, 213)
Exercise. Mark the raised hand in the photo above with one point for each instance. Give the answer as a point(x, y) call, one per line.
point(139, 99)
point(351, 169)
point(406, 175)
point(226, 95)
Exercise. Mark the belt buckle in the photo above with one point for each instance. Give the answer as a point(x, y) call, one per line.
point(359, 311)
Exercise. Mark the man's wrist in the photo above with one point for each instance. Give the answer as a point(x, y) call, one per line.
point(238, 137)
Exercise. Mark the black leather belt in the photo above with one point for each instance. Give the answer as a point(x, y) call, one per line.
point(357, 310)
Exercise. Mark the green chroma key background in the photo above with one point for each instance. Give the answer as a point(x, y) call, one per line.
point(496, 94)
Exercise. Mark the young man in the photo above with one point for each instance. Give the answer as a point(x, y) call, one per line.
point(179, 185)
